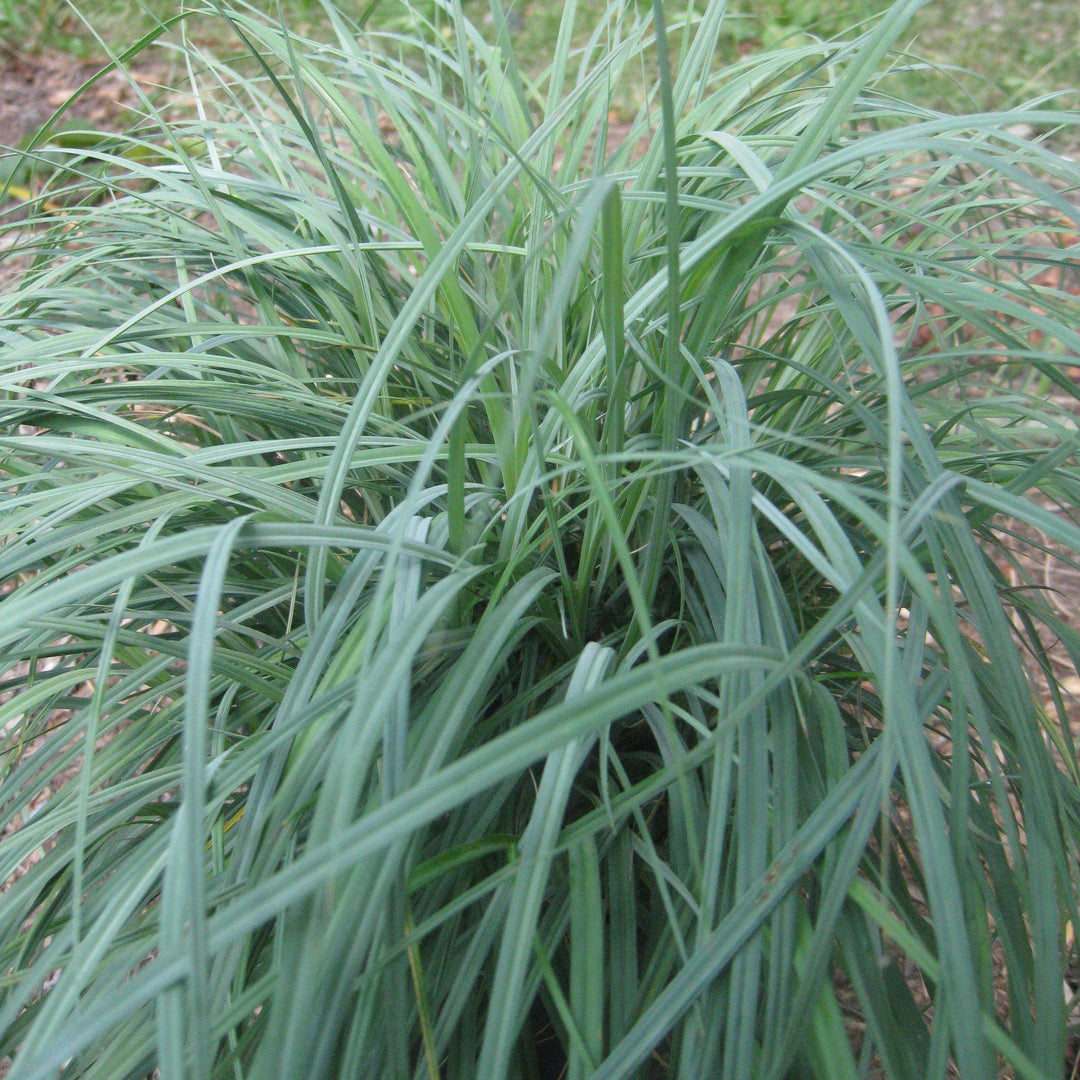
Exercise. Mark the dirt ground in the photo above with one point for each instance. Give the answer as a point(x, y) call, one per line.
point(32, 88)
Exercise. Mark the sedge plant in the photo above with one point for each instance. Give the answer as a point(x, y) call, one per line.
point(491, 590)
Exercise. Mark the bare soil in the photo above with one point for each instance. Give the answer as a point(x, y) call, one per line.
point(32, 88)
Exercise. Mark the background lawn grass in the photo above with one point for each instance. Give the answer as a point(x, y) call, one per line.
point(1006, 51)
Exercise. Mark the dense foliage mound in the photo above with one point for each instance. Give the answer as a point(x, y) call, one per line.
point(494, 594)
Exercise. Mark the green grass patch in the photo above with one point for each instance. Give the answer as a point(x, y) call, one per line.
point(986, 56)
point(484, 597)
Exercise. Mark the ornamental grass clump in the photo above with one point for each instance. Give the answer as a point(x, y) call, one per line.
point(494, 591)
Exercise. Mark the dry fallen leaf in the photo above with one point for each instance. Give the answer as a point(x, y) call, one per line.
point(56, 98)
